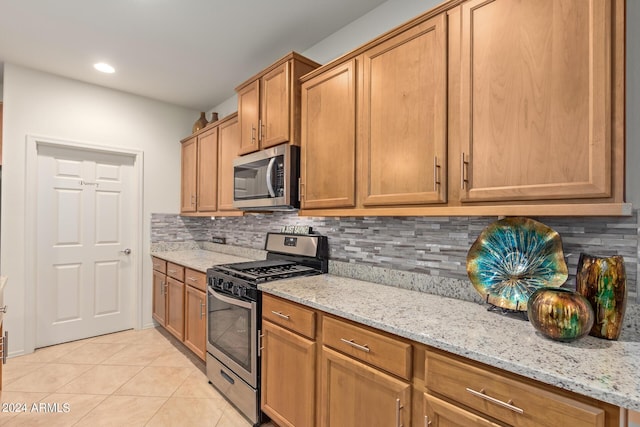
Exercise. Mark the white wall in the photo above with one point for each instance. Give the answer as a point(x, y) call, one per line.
point(41, 104)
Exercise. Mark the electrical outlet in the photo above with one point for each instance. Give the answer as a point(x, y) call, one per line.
point(220, 240)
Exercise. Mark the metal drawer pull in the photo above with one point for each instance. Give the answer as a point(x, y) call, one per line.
point(193, 279)
point(173, 271)
point(398, 407)
point(356, 345)
point(277, 313)
point(481, 394)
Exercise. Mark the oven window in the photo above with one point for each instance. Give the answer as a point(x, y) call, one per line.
point(230, 331)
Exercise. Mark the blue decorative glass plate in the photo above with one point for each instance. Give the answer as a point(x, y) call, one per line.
point(512, 258)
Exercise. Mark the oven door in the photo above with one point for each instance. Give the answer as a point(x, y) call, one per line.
point(232, 334)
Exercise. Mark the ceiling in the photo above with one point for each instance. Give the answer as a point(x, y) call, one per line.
point(191, 53)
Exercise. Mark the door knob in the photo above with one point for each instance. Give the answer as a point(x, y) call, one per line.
point(126, 251)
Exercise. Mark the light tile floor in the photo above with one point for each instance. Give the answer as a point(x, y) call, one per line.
point(130, 378)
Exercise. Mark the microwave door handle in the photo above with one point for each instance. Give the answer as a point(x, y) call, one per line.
point(272, 162)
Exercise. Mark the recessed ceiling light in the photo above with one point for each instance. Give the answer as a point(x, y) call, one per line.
point(105, 68)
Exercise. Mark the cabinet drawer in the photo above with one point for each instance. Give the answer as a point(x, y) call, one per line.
point(196, 279)
point(289, 315)
point(159, 265)
point(391, 354)
point(176, 271)
point(503, 398)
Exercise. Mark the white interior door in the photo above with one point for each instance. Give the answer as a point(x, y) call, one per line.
point(85, 213)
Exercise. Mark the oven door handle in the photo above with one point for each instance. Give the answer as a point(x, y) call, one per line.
point(232, 301)
point(272, 162)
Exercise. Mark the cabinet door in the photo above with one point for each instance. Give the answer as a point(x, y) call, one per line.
point(288, 377)
point(248, 116)
point(536, 99)
point(207, 200)
point(354, 394)
point(403, 121)
point(276, 106)
point(175, 307)
point(189, 170)
point(439, 413)
point(229, 146)
point(328, 139)
point(159, 297)
point(195, 321)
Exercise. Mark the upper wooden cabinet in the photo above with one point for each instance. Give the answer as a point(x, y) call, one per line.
point(536, 100)
point(228, 149)
point(474, 108)
point(403, 120)
point(207, 169)
point(269, 104)
point(328, 151)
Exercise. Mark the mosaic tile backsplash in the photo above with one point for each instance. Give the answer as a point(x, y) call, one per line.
point(433, 246)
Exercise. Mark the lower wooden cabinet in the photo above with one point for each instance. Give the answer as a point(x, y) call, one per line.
point(499, 396)
point(288, 377)
point(439, 413)
point(195, 320)
point(179, 303)
point(159, 297)
point(355, 394)
point(175, 308)
point(318, 369)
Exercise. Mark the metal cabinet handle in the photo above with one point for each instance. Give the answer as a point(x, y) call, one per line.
point(362, 347)
point(482, 395)
point(284, 316)
point(260, 347)
point(463, 165)
point(436, 169)
point(261, 130)
point(3, 309)
point(253, 134)
point(162, 286)
point(427, 421)
point(398, 418)
point(4, 346)
point(202, 305)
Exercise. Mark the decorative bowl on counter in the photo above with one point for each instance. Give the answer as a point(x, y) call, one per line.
point(560, 314)
point(514, 257)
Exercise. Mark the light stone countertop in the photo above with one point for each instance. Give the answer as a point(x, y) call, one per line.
point(602, 369)
point(198, 259)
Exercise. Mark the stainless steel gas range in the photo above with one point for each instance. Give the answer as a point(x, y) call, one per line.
point(234, 313)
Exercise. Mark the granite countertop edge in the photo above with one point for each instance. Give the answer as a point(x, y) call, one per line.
point(601, 369)
point(198, 259)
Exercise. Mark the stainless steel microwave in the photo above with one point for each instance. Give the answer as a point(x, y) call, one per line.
point(267, 180)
